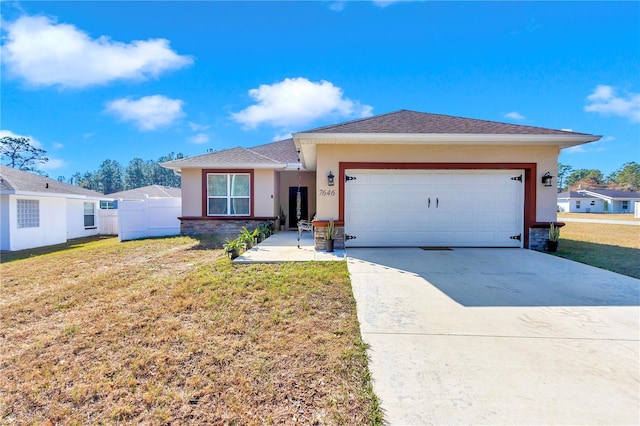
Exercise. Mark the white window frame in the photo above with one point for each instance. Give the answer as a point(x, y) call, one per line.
point(28, 212)
point(229, 197)
point(624, 204)
point(85, 215)
point(577, 204)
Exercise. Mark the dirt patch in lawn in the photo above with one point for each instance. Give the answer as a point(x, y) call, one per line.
point(612, 247)
point(161, 331)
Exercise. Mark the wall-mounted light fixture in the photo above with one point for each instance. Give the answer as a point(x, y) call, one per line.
point(546, 179)
point(330, 178)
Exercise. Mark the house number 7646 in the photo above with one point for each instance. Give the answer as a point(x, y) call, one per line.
point(327, 192)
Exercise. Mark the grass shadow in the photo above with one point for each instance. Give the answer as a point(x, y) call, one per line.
point(623, 260)
point(11, 256)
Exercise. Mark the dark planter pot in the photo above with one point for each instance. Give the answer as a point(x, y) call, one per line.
point(552, 246)
point(330, 245)
point(233, 254)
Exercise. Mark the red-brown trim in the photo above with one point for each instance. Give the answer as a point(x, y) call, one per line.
point(219, 171)
point(530, 173)
point(187, 218)
point(323, 223)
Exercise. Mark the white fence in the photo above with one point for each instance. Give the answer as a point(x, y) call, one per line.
point(151, 217)
point(636, 209)
point(108, 222)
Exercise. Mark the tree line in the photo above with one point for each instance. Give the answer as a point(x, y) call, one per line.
point(626, 178)
point(111, 176)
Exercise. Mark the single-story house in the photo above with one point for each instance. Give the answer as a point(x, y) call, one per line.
point(597, 201)
point(36, 211)
point(149, 191)
point(404, 178)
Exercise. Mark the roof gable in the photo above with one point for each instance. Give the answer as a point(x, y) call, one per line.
point(405, 121)
point(21, 181)
point(612, 193)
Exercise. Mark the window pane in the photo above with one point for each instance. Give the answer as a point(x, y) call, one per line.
point(240, 206)
point(28, 213)
point(217, 206)
point(89, 220)
point(89, 208)
point(217, 185)
point(239, 185)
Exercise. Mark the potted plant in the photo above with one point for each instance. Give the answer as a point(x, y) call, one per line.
point(330, 235)
point(283, 219)
point(554, 236)
point(232, 248)
point(247, 237)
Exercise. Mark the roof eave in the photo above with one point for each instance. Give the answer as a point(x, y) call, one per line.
point(54, 195)
point(563, 140)
point(206, 165)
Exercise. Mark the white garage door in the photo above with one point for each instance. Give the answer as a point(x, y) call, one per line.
point(454, 208)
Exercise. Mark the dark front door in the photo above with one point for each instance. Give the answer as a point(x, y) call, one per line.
point(304, 205)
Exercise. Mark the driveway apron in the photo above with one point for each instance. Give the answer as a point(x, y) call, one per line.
point(497, 336)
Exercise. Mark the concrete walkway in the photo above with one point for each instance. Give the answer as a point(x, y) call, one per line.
point(283, 247)
point(498, 336)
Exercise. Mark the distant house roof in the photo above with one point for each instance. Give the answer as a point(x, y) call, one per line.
point(573, 194)
point(405, 121)
point(612, 193)
point(271, 155)
point(18, 181)
point(151, 191)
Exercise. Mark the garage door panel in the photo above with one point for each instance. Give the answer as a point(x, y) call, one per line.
point(434, 207)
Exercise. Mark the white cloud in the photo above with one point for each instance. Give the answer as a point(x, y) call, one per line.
point(198, 127)
point(34, 142)
point(605, 101)
point(45, 53)
point(384, 3)
point(149, 112)
point(57, 145)
point(337, 6)
point(199, 139)
point(294, 102)
point(282, 136)
point(514, 115)
point(53, 164)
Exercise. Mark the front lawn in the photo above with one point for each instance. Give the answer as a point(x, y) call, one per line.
point(612, 247)
point(168, 331)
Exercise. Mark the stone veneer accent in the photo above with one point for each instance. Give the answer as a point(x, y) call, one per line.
point(539, 234)
point(224, 228)
point(319, 233)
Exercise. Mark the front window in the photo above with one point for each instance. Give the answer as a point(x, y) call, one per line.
point(28, 213)
point(228, 194)
point(577, 204)
point(625, 205)
point(89, 215)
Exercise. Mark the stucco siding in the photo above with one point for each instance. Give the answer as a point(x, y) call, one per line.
point(191, 192)
point(52, 228)
point(264, 193)
point(75, 219)
point(545, 157)
point(5, 223)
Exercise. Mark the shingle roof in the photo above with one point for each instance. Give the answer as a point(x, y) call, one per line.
point(283, 151)
point(232, 156)
point(574, 194)
point(405, 121)
point(19, 180)
point(153, 191)
point(615, 193)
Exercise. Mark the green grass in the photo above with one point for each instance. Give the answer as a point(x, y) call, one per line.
point(612, 247)
point(168, 331)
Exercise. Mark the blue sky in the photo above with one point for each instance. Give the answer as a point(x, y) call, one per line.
point(90, 81)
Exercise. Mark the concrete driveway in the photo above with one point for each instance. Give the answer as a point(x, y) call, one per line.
point(498, 336)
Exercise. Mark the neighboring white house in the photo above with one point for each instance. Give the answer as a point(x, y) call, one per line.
point(36, 211)
point(597, 201)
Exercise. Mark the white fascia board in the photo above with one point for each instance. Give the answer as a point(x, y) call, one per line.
point(564, 141)
point(55, 195)
point(227, 166)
